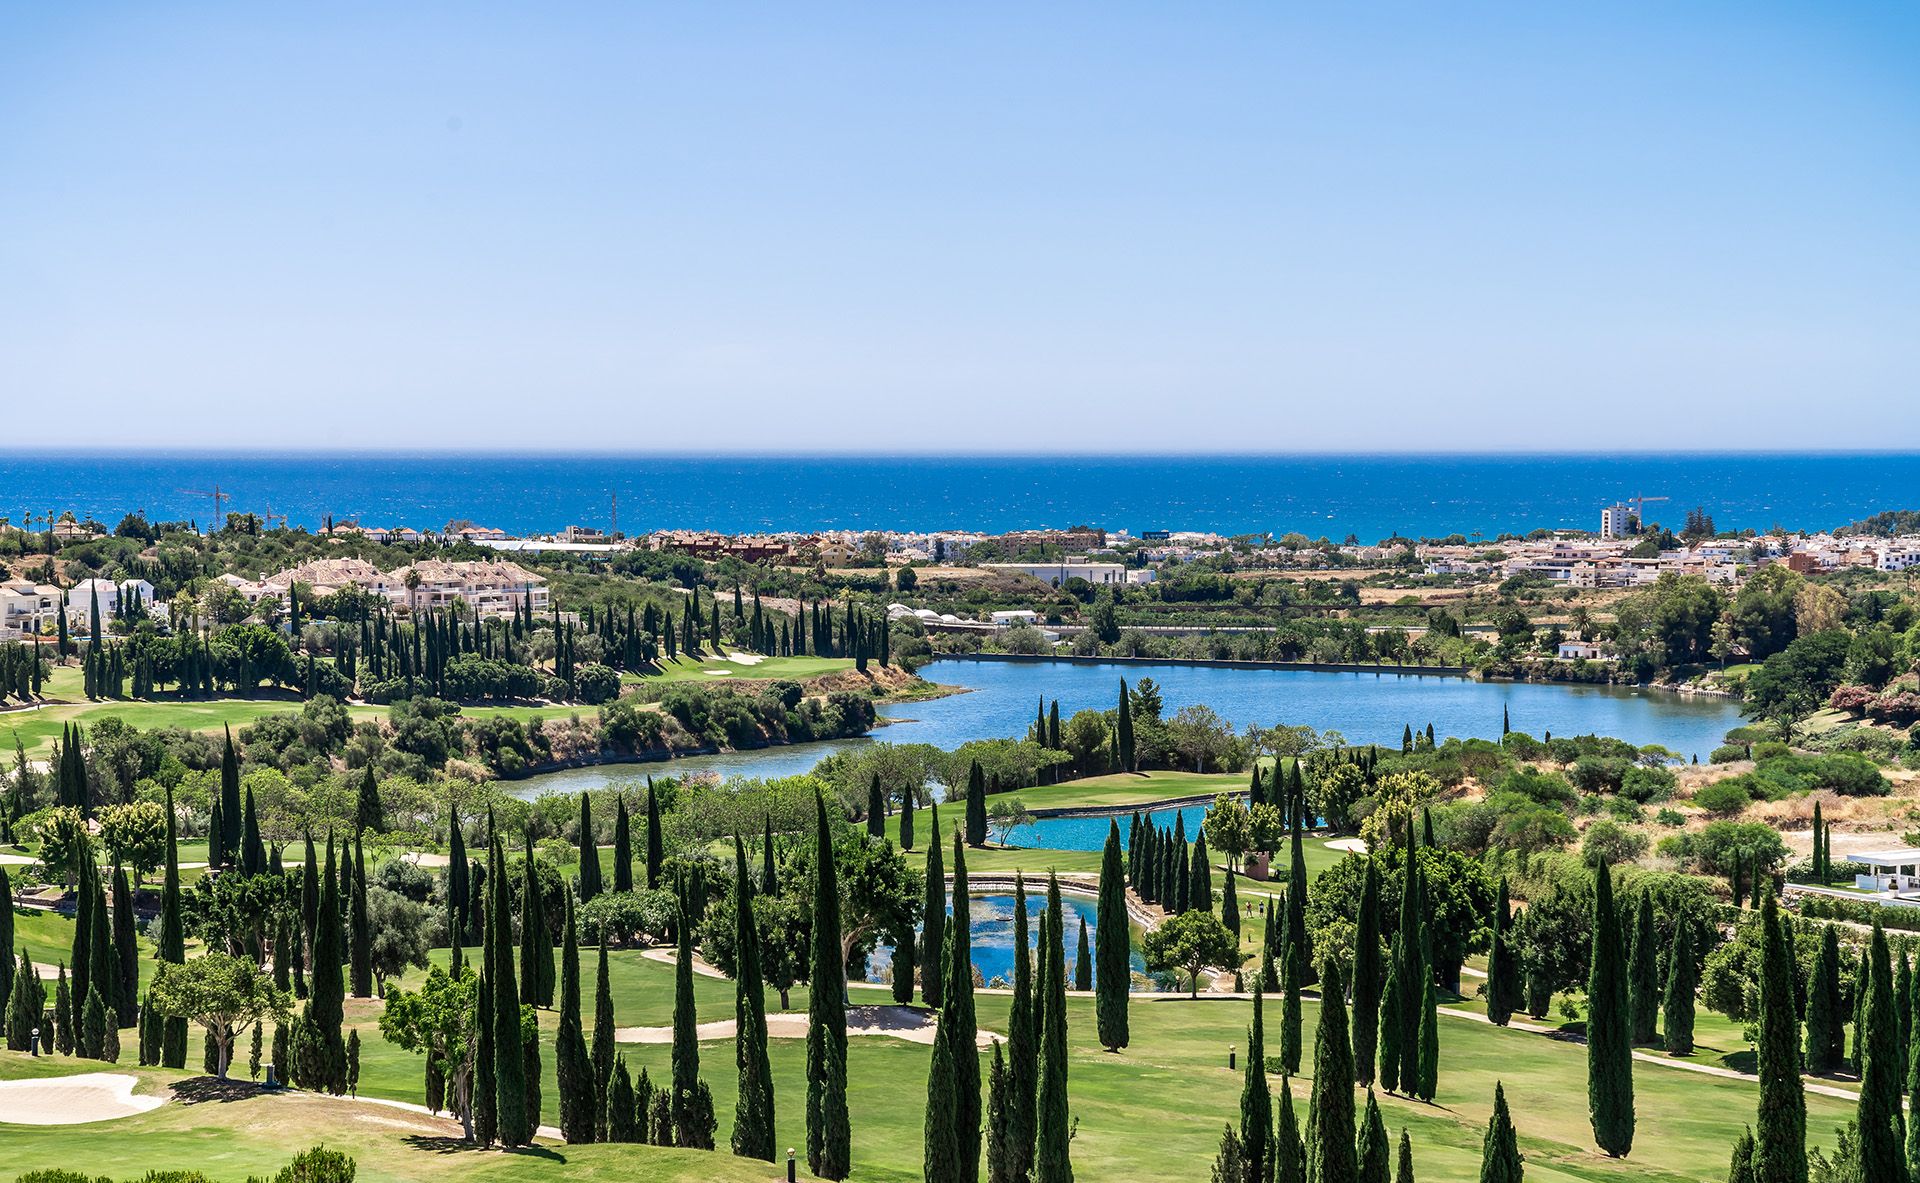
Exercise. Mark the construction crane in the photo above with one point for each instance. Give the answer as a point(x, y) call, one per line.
point(1639, 503)
point(219, 498)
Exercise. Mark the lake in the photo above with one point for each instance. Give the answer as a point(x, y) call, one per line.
point(992, 934)
point(1364, 707)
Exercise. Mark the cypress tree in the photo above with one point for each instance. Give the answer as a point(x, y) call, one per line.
point(82, 950)
point(769, 875)
point(1819, 854)
point(1503, 972)
point(94, 1025)
point(1740, 1163)
point(6, 940)
point(654, 848)
point(1290, 1018)
point(369, 814)
point(602, 1053)
point(1083, 961)
point(933, 920)
point(1683, 978)
point(1289, 1152)
point(1781, 1143)
point(622, 846)
point(509, 1063)
point(940, 1140)
point(1406, 990)
point(621, 1109)
point(1230, 904)
point(1123, 732)
point(103, 976)
point(688, 1128)
point(1113, 946)
point(326, 1059)
point(1403, 1166)
point(1882, 1130)
point(959, 1025)
point(230, 811)
point(590, 881)
point(173, 943)
point(976, 806)
point(1367, 973)
point(360, 951)
point(536, 943)
point(579, 1092)
point(998, 1088)
point(1200, 873)
point(125, 949)
point(253, 854)
point(1825, 1036)
point(63, 1027)
point(1609, 1032)
point(1330, 1131)
point(1375, 1153)
point(906, 818)
point(1053, 1125)
point(1297, 934)
point(753, 1128)
point(876, 809)
point(1256, 1102)
point(829, 1133)
point(1913, 1091)
point(1023, 1051)
point(1428, 1082)
point(1500, 1154)
point(1643, 974)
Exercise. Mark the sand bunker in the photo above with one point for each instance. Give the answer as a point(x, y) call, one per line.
point(900, 1022)
point(73, 1100)
point(1356, 845)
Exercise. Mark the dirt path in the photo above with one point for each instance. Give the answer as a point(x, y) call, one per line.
point(899, 1022)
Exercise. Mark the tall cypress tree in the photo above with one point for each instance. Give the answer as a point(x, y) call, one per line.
point(1053, 1130)
point(173, 943)
point(1406, 987)
point(458, 885)
point(654, 847)
point(126, 950)
point(536, 942)
point(1503, 971)
point(753, 1129)
point(940, 1135)
point(1297, 934)
point(1403, 1165)
point(579, 1092)
point(1113, 946)
point(1683, 978)
point(976, 806)
point(1882, 1130)
point(326, 997)
point(602, 1052)
point(829, 1132)
point(1428, 1082)
point(906, 817)
point(1256, 1102)
point(1023, 1051)
point(688, 1124)
point(1609, 1030)
point(622, 846)
point(509, 1063)
point(1825, 1034)
point(933, 921)
point(590, 881)
point(253, 853)
point(1781, 1142)
point(1643, 973)
point(1367, 974)
point(1330, 1131)
point(1375, 1152)
point(876, 809)
point(959, 1025)
point(369, 814)
point(230, 810)
point(1500, 1154)
point(1289, 1152)
point(1123, 731)
point(360, 932)
point(1291, 981)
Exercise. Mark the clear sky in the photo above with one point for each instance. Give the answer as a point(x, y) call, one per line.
point(1100, 227)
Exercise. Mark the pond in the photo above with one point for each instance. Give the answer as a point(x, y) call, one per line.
point(1365, 707)
point(1089, 832)
point(992, 934)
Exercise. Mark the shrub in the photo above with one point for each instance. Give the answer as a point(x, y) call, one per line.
point(1598, 774)
point(316, 1164)
point(1771, 750)
point(1727, 753)
point(1725, 797)
point(1647, 784)
point(1669, 817)
point(1608, 842)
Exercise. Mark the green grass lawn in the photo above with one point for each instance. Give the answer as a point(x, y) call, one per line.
point(715, 667)
point(1154, 1111)
point(1131, 788)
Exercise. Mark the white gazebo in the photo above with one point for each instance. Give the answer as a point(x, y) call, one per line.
point(1887, 870)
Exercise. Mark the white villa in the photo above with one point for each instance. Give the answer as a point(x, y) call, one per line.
point(80, 596)
point(1893, 871)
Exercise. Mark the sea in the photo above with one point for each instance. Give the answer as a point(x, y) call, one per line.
point(1369, 497)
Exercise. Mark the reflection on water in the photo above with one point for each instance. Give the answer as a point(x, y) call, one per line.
point(1364, 707)
point(992, 934)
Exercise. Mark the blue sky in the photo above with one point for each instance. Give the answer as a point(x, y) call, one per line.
point(1101, 227)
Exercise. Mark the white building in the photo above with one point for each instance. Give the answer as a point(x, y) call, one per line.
point(26, 607)
point(1058, 573)
point(1613, 521)
point(80, 597)
point(1584, 651)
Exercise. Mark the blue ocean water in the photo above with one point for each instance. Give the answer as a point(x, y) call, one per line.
point(1371, 496)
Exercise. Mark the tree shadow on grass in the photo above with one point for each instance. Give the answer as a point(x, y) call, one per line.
point(201, 1090)
point(445, 1144)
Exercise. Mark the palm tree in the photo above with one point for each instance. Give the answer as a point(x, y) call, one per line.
point(413, 585)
